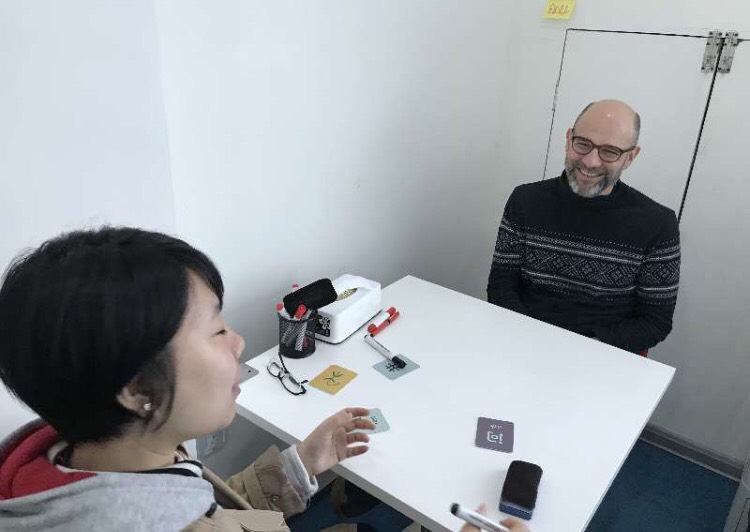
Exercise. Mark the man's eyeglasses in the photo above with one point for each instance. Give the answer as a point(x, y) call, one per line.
point(291, 385)
point(607, 153)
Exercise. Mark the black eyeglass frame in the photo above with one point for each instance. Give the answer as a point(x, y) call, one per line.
point(284, 373)
point(599, 148)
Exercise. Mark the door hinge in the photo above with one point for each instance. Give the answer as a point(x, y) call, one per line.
point(711, 53)
point(731, 40)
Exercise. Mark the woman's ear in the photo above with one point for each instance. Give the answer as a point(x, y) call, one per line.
point(136, 402)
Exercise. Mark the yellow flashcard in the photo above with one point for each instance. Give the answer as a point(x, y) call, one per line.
point(559, 9)
point(333, 379)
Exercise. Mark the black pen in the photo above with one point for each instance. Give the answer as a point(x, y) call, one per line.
point(380, 348)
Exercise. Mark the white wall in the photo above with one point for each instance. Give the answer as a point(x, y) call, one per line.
point(310, 139)
point(82, 131)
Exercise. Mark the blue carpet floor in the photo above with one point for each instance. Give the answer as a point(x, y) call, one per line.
point(655, 491)
point(658, 491)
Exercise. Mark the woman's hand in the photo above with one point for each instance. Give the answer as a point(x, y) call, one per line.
point(332, 440)
point(515, 525)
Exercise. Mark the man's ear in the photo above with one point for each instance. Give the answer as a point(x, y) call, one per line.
point(132, 400)
point(631, 157)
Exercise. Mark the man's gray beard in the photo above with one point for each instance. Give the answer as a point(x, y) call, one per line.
point(610, 178)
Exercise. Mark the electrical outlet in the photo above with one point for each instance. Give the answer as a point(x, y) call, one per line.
point(211, 443)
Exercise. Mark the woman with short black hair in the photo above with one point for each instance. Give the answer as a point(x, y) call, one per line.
point(115, 338)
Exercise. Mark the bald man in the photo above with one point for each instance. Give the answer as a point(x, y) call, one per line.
point(585, 251)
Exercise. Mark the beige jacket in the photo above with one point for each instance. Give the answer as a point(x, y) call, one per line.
point(255, 500)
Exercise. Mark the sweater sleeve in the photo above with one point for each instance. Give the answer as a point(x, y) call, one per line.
point(503, 285)
point(656, 295)
point(305, 485)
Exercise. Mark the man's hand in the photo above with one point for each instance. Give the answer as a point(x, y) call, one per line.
point(331, 442)
point(515, 525)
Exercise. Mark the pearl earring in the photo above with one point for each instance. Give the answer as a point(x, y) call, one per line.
point(147, 407)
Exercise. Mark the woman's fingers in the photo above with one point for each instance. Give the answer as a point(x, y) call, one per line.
point(359, 423)
point(353, 437)
point(356, 451)
point(352, 419)
point(515, 525)
point(357, 411)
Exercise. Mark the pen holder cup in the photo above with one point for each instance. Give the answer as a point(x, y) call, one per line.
point(297, 337)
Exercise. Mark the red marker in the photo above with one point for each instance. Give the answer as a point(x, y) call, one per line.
point(386, 323)
point(300, 312)
point(380, 319)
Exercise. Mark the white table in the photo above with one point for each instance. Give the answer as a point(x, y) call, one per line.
point(578, 407)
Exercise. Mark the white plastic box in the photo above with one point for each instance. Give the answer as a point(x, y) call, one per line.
point(339, 320)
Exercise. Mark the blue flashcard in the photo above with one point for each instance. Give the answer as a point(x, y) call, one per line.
point(377, 417)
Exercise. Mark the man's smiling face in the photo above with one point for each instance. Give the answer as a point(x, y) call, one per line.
point(609, 125)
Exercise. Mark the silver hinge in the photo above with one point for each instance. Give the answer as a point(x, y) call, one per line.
point(731, 41)
point(711, 54)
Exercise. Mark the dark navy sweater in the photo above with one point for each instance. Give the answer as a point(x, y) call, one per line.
point(605, 267)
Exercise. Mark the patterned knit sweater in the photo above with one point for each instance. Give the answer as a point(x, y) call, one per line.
point(605, 267)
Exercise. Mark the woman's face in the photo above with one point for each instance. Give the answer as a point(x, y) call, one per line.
point(206, 354)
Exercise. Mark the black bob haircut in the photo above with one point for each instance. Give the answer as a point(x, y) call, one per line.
point(87, 313)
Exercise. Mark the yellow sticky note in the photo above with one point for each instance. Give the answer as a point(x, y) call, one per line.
point(333, 379)
point(559, 9)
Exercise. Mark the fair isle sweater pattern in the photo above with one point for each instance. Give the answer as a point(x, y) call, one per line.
point(605, 271)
